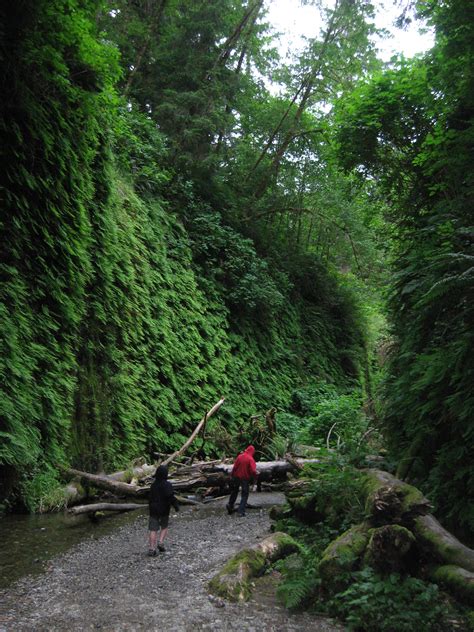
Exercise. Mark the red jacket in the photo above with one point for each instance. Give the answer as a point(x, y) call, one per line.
point(245, 467)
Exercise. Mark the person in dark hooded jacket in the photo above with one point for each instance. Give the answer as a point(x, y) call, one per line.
point(243, 472)
point(161, 499)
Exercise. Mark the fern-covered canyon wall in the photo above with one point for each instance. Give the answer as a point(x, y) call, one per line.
point(128, 304)
point(173, 231)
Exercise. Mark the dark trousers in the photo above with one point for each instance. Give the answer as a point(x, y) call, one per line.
point(235, 484)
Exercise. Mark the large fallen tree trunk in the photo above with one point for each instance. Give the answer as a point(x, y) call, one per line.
point(456, 580)
point(442, 545)
point(99, 507)
point(233, 582)
point(391, 500)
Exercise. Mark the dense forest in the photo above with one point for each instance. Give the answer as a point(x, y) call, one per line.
point(175, 229)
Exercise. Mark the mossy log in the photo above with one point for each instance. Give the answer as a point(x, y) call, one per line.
point(458, 581)
point(389, 548)
point(442, 545)
point(234, 583)
point(342, 555)
point(137, 472)
point(390, 500)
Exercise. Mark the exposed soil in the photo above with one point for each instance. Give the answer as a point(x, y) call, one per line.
point(111, 584)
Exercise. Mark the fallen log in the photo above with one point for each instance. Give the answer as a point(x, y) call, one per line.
point(218, 474)
point(390, 500)
point(442, 545)
point(137, 472)
point(342, 555)
point(93, 508)
point(108, 484)
point(457, 580)
point(188, 478)
point(233, 582)
point(390, 549)
point(273, 468)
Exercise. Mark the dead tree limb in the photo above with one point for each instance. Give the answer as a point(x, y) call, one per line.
point(195, 433)
point(107, 483)
point(87, 509)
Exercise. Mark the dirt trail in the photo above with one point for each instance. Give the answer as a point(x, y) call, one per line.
point(110, 584)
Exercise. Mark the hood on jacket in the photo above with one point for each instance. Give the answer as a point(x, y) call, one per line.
point(250, 450)
point(161, 473)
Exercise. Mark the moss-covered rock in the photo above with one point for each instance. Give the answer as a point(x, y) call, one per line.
point(343, 555)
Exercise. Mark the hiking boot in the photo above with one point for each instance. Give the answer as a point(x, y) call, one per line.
point(161, 548)
point(241, 515)
point(152, 552)
point(230, 510)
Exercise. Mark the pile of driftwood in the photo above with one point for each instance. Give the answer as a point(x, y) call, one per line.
point(210, 478)
point(204, 479)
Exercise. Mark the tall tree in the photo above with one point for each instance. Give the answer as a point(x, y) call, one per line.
point(413, 130)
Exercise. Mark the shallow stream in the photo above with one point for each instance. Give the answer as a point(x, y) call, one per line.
point(28, 542)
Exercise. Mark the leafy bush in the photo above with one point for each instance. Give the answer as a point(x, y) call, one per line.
point(384, 604)
point(338, 492)
point(289, 425)
point(139, 151)
point(231, 259)
point(324, 409)
point(301, 578)
point(277, 447)
point(42, 490)
point(343, 415)
point(304, 401)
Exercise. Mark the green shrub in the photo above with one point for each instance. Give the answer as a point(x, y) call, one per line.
point(289, 425)
point(301, 580)
point(387, 604)
point(277, 447)
point(340, 415)
point(42, 490)
point(232, 261)
point(338, 492)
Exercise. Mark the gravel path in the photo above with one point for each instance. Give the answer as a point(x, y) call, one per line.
point(110, 584)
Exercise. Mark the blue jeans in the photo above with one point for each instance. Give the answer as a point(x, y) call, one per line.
point(235, 484)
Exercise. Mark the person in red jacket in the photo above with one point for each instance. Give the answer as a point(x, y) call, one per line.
point(243, 472)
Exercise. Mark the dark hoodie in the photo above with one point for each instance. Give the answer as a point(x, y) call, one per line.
point(161, 494)
point(245, 467)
